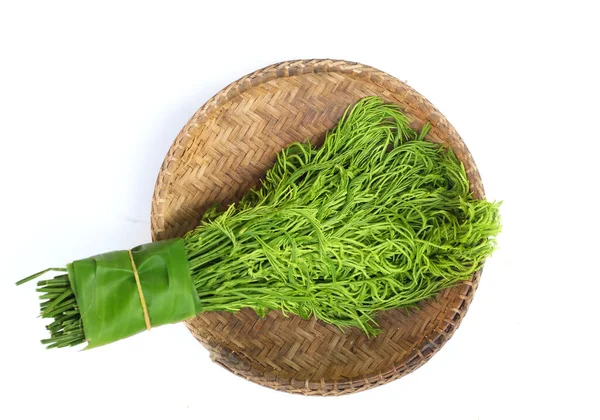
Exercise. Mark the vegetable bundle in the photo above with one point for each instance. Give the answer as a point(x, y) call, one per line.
point(376, 218)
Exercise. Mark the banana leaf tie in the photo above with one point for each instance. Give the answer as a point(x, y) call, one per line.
point(140, 291)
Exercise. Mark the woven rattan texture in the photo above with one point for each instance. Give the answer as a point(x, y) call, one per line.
point(224, 150)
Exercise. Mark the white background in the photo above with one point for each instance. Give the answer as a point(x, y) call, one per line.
point(91, 98)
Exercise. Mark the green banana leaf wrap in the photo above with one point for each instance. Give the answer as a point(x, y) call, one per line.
point(108, 297)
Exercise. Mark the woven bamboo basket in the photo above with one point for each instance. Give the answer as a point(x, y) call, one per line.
point(224, 150)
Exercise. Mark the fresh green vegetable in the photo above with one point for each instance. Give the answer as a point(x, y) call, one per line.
point(376, 218)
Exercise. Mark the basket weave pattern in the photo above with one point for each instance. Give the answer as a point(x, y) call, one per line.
point(224, 150)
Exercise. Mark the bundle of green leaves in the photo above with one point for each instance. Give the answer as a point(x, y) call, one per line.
point(376, 218)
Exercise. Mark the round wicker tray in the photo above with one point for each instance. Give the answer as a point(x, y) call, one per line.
point(224, 150)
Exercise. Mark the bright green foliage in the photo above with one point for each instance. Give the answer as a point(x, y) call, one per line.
point(376, 218)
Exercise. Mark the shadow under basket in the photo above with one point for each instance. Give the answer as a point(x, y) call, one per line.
point(224, 150)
